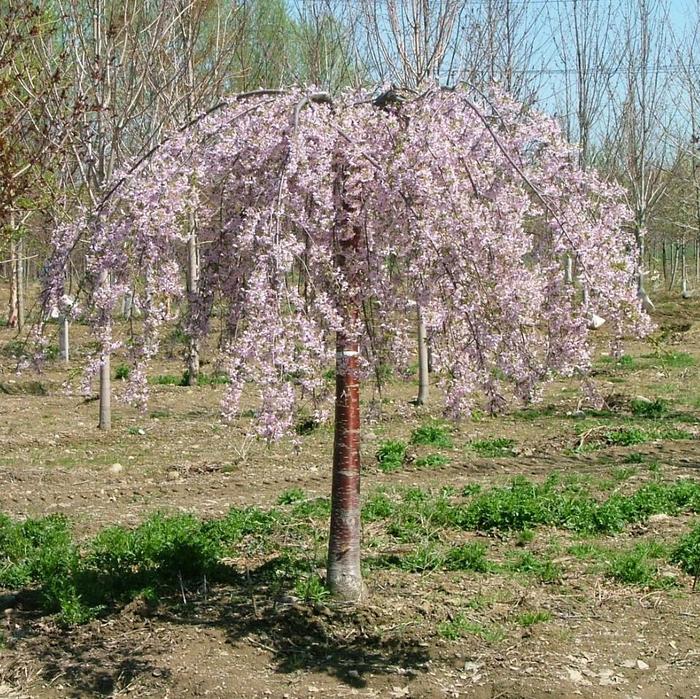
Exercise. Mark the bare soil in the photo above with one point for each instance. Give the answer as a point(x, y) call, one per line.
point(603, 639)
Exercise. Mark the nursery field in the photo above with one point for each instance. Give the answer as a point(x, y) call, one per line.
point(549, 552)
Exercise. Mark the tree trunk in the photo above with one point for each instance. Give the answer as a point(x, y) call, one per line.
point(423, 374)
point(63, 338)
point(105, 422)
point(569, 270)
point(675, 257)
point(20, 283)
point(193, 285)
point(12, 310)
point(664, 261)
point(105, 394)
point(344, 575)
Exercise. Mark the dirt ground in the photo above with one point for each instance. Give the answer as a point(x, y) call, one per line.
point(602, 639)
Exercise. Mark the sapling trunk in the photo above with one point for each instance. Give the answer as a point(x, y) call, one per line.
point(105, 394)
point(63, 338)
point(569, 271)
point(20, 284)
point(423, 368)
point(192, 284)
point(12, 309)
point(344, 576)
point(105, 422)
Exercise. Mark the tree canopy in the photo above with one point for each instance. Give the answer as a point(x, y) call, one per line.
point(320, 216)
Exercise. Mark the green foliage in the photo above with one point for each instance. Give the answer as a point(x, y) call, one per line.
point(469, 556)
point(534, 413)
point(677, 360)
point(460, 626)
point(433, 434)
point(633, 457)
point(377, 507)
point(586, 550)
point(391, 455)
point(122, 372)
point(545, 570)
point(165, 380)
point(499, 446)
point(424, 558)
point(527, 619)
point(291, 496)
point(311, 589)
point(649, 409)
point(687, 554)
point(217, 378)
point(119, 564)
point(431, 461)
point(623, 362)
point(639, 566)
point(313, 508)
point(601, 436)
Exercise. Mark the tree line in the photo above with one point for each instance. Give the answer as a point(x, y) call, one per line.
point(87, 87)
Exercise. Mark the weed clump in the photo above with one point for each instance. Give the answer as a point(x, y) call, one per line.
point(493, 447)
point(652, 409)
point(433, 435)
point(687, 554)
point(431, 461)
point(391, 455)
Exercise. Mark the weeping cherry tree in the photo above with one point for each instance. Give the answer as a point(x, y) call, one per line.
point(310, 210)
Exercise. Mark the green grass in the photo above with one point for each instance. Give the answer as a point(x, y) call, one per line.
point(81, 580)
point(433, 435)
point(122, 372)
point(203, 379)
point(543, 569)
point(600, 436)
point(653, 409)
point(639, 566)
point(677, 360)
point(469, 556)
point(527, 619)
point(391, 455)
point(431, 461)
point(461, 626)
point(496, 447)
point(687, 554)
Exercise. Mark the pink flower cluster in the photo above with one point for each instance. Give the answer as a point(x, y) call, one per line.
point(468, 206)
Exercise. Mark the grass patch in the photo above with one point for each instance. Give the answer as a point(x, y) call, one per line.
point(119, 564)
point(527, 619)
point(469, 556)
point(532, 413)
point(391, 455)
point(639, 566)
point(165, 380)
point(431, 461)
point(543, 569)
point(687, 554)
point(432, 435)
point(500, 446)
point(122, 372)
point(602, 436)
point(653, 409)
point(460, 626)
point(676, 360)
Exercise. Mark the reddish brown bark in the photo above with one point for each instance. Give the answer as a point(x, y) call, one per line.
point(344, 576)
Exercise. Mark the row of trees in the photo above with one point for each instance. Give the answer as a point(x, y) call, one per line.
point(90, 85)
